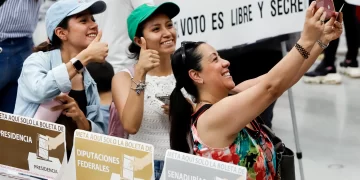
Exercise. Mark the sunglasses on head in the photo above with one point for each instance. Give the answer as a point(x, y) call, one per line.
point(183, 44)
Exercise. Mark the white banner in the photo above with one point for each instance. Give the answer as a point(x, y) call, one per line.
point(228, 23)
point(354, 2)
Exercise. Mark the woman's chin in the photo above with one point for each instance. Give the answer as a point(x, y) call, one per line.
point(169, 50)
point(230, 85)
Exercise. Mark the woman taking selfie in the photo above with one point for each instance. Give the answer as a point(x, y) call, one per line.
point(223, 127)
point(56, 73)
point(140, 92)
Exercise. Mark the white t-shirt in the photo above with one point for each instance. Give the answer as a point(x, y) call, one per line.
point(113, 23)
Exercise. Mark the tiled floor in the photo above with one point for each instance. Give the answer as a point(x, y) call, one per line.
point(328, 120)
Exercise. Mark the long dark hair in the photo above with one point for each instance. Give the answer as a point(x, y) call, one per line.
point(184, 59)
point(56, 42)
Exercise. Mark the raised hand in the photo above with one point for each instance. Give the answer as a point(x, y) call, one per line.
point(314, 24)
point(148, 59)
point(96, 51)
point(333, 29)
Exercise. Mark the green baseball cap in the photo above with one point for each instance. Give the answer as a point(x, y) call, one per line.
point(143, 12)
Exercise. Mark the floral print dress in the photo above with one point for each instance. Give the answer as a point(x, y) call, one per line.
point(256, 154)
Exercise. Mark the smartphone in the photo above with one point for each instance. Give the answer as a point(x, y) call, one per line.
point(329, 7)
point(165, 99)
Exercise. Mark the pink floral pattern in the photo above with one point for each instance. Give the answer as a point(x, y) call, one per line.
point(245, 151)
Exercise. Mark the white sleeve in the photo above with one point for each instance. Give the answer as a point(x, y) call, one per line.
point(128, 71)
point(137, 3)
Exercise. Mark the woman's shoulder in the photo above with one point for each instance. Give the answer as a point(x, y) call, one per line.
point(41, 54)
point(121, 80)
point(37, 58)
point(125, 73)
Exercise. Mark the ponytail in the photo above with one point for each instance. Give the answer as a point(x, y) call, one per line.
point(44, 46)
point(180, 118)
point(180, 108)
point(134, 51)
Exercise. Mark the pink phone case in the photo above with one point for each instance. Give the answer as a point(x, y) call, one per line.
point(328, 6)
point(45, 113)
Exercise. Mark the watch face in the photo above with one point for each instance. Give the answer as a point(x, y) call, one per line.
point(78, 65)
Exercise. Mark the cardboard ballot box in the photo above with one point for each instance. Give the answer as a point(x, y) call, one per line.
point(49, 168)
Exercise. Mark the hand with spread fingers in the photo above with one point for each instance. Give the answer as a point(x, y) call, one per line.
point(333, 29)
point(71, 109)
point(314, 24)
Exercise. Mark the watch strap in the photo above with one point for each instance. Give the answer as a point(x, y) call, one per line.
point(77, 65)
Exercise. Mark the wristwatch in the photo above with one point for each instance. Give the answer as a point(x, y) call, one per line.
point(77, 65)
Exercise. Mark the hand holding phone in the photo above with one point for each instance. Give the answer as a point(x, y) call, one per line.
point(165, 99)
point(328, 6)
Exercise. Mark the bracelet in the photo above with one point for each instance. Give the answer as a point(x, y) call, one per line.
point(139, 86)
point(322, 45)
point(302, 51)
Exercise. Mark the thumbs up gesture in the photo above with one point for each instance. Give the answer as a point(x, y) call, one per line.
point(97, 51)
point(148, 59)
